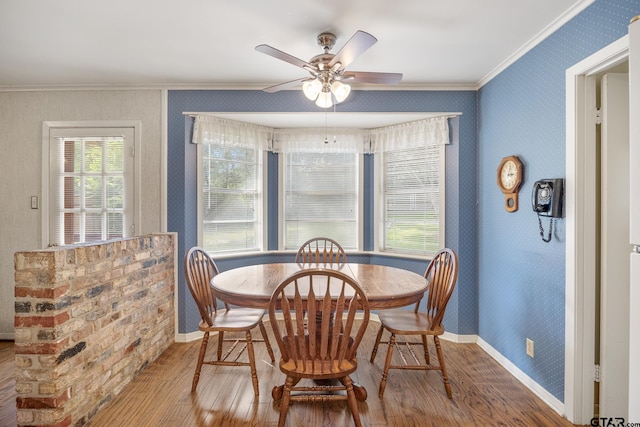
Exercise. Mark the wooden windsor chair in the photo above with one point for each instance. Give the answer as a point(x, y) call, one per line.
point(199, 269)
point(318, 336)
point(441, 275)
point(321, 250)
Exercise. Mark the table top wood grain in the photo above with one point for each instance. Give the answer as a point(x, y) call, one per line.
point(385, 287)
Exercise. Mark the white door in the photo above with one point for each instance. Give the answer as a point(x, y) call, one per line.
point(89, 181)
point(614, 247)
point(634, 223)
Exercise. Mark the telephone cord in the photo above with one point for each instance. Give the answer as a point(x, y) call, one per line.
point(548, 239)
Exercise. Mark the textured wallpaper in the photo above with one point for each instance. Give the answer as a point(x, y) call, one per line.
point(522, 112)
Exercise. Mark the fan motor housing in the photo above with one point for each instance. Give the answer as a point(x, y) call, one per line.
point(326, 41)
point(322, 60)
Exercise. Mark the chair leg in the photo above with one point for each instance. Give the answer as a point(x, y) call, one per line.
point(252, 363)
point(286, 398)
point(220, 342)
point(203, 350)
point(375, 346)
point(263, 331)
point(351, 400)
point(426, 349)
point(387, 363)
point(447, 386)
point(278, 390)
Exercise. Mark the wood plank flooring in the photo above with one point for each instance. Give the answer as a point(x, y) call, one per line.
point(7, 385)
point(484, 394)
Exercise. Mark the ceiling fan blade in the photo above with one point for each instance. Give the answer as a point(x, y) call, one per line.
point(278, 54)
point(356, 45)
point(287, 85)
point(369, 77)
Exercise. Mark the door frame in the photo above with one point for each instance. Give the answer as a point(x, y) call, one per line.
point(580, 274)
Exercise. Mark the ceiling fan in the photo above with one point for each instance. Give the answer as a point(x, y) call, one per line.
point(329, 78)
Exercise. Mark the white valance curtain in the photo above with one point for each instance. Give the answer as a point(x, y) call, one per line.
point(321, 140)
point(431, 131)
point(213, 130)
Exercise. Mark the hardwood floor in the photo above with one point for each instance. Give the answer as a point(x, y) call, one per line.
point(7, 385)
point(484, 394)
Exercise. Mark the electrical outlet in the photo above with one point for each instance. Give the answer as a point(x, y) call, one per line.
point(529, 347)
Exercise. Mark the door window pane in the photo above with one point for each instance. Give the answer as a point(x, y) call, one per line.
point(91, 184)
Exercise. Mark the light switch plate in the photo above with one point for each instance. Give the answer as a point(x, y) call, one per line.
point(34, 202)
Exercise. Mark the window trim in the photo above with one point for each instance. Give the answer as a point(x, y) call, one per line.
point(379, 205)
point(48, 126)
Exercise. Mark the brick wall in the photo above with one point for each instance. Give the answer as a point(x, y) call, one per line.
point(88, 319)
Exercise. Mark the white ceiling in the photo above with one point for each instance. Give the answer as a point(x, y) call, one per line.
point(436, 44)
point(209, 43)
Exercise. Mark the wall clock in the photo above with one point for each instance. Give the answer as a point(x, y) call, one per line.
point(510, 176)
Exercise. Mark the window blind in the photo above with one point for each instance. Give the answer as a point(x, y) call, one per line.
point(412, 186)
point(231, 198)
point(411, 194)
point(232, 184)
point(320, 198)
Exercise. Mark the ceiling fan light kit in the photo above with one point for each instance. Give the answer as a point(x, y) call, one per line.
point(326, 85)
point(340, 90)
point(324, 99)
point(320, 92)
point(311, 89)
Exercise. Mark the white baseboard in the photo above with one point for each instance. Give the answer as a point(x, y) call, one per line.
point(7, 336)
point(536, 388)
point(460, 339)
point(188, 337)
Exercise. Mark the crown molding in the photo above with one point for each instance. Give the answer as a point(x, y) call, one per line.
point(578, 7)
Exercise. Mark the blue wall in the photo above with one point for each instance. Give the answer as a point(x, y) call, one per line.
point(461, 158)
point(511, 284)
point(522, 112)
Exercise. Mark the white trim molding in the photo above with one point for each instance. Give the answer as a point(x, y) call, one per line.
point(580, 272)
point(574, 10)
point(536, 388)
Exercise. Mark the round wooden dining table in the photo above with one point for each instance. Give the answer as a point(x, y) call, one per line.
point(385, 287)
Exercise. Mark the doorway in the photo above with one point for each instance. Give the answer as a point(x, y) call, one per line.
point(582, 272)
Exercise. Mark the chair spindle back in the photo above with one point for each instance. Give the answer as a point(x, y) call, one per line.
point(321, 250)
point(441, 274)
point(321, 306)
point(199, 269)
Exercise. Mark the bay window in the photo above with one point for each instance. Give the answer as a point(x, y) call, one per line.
point(321, 184)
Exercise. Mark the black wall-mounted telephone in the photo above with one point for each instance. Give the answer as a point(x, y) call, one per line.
point(546, 200)
point(547, 197)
